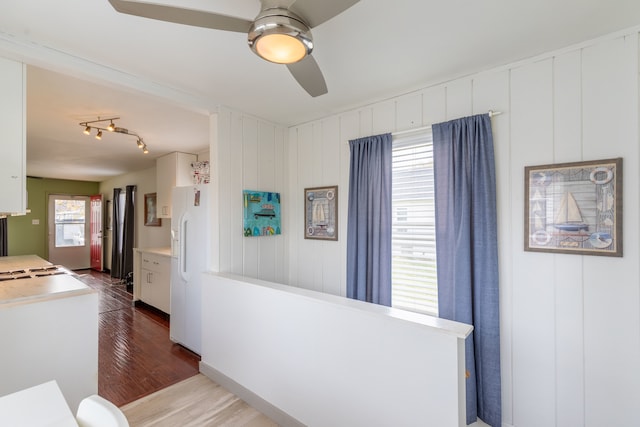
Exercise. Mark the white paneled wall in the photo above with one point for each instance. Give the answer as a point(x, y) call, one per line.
point(533, 285)
point(314, 264)
point(248, 154)
point(611, 286)
point(570, 324)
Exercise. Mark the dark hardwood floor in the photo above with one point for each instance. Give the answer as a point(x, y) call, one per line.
point(136, 357)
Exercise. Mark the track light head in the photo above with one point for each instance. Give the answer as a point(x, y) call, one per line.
point(144, 150)
point(111, 127)
point(87, 130)
point(99, 134)
point(140, 144)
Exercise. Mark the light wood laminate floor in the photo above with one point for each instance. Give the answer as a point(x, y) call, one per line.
point(194, 402)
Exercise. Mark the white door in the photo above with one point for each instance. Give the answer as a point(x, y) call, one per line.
point(68, 225)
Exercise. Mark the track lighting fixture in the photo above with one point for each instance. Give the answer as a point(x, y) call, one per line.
point(97, 124)
point(142, 146)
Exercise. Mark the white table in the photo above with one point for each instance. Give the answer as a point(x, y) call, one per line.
point(39, 406)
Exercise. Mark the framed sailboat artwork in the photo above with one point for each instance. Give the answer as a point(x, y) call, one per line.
point(574, 208)
point(321, 213)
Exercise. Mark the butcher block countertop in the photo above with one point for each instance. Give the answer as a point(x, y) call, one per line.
point(36, 289)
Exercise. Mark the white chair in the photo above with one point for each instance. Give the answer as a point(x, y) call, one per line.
point(95, 411)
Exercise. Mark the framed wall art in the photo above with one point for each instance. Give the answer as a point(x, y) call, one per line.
point(574, 208)
point(261, 213)
point(321, 213)
point(150, 212)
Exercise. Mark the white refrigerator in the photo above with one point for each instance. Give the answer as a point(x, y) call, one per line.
point(189, 258)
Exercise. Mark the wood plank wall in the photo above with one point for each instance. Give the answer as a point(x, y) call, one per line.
point(570, 324)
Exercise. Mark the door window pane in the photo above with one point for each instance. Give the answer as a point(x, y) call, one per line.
point(70, 222)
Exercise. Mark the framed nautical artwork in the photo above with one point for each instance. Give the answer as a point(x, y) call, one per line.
point(321, 213)
point(574, 208)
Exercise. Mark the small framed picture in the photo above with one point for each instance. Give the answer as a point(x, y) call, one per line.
point(150, 211)
point(261, 213)
point(321, 213)
point(574, 208)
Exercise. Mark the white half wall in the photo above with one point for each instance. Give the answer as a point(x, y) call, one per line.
point(51, 339)
point(570, 324)
point(330, 361)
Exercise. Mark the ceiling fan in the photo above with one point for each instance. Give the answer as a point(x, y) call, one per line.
point(281, 32)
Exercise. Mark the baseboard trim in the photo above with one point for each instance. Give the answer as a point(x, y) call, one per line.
point(280, 417)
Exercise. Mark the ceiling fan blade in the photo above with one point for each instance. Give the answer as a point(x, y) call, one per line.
point(316, 12)
point(197, 18)
point(268, 4)
point(307, 73)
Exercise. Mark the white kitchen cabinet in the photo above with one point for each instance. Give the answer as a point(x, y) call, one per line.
point(172, 170)
point(13, 190)
point(154, 278)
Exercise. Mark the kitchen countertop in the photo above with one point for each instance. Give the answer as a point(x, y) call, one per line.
point(36, 289)
point(165, 251)
point(19, 262)
point(26, 291)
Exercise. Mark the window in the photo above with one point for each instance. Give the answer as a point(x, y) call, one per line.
point(413, 235)
point(69, 222)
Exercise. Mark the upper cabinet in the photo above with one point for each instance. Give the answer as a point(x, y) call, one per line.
point(13, 168)
point(172, 170)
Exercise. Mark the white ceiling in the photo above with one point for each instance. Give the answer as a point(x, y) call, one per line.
point(86, 60)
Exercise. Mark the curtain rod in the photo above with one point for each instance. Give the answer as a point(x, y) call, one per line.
point(403, 132)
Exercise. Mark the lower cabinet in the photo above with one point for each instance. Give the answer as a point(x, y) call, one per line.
point(154, 280)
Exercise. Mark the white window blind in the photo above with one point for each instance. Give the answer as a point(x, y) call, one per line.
point(413, 266)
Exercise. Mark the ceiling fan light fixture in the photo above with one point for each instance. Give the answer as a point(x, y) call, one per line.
point(279, 36)
point(280, 48)
point(275, 17)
